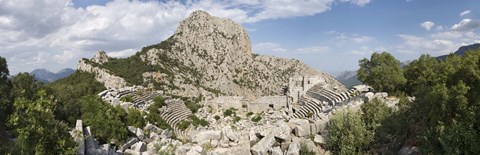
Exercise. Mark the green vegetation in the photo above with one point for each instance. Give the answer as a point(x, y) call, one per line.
point(443, 118)
point(184, 124)
point(135, 118)
point(382, 72)
point(256, 118)
point(304, 150)
point(34, 124)
point(249, 114)
point(216, 117)
point(198, 122)
point(127, 98)
point(154, 116)
point(347, 133)
point(105, 122)
point(229, 112)
point(69, 91)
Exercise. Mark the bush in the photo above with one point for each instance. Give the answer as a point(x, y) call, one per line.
point(192, 106)
point(127, 98)
point(196, 121)
point(135, 118)
point(236, 119)
point(257, 118)
point(105, 122)
point(154, 116)
point(183, 125)
point(216, 117)
point(229, 112)
point(304, 150)
point(347, 133)
point(249, 114)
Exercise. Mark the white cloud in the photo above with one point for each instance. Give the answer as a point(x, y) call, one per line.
point(427, 25)
point(267, 47)
point(122, 54)
point(467, 25)
point(312, 50)
point(357, 2)
point(466, 12)
point(46, 32)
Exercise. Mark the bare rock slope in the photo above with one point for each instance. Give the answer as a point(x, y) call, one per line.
point(205, 56)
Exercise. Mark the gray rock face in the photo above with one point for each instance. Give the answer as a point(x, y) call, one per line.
point(102, 75)
point(294, 148)
point(206, 135)
point(262, 147)
point(212, 55)
point(101, 57)
point(301, 127)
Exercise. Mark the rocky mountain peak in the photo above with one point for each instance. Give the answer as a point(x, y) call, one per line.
point(203, 32)
point(101, 57)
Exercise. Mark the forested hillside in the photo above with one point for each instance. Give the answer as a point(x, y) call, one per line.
point(440, 117)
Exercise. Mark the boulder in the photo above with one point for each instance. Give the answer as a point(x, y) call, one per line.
point(319, 139)
point(230, 135)
point(205, 135)
point(129, 143)
point(276, 151)
point(139, 147)
point(262, 147)
point(294, 148)
point(301, 127)
point(132, 129)
point(140, 134)
point(132, 152)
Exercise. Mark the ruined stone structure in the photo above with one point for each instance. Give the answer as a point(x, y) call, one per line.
point(266, 103)
point(222, 103)
point(299, 85)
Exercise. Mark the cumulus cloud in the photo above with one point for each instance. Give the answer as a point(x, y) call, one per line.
point(53, 34)
point(358, 2)
point(467, 25)
point(466, 12)
point(427, 25)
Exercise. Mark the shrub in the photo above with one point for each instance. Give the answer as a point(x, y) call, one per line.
point(135, 118)
point(257, 118)
point(249, 114)
point(229, 112)
point(127, 98)
point(216, 117)
point(236, 119)
point(183, 124)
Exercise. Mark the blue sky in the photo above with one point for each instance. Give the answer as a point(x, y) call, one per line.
point(331, 35)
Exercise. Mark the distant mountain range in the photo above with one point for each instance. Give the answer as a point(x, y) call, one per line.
point(47, 76)
point(461, 51)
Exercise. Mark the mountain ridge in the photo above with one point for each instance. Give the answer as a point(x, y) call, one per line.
point(47, 76)
point(206, 56)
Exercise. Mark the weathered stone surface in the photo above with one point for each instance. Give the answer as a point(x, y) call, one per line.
point(101, 57)
point(102, 75)
point(294, 148)
point(77, 135)
point(262, 147)
point(318, 139)
point(206, 135)
point(129, 143)
point(140, 134)
point(276, 151)
point(139, 147)
point(301, 127)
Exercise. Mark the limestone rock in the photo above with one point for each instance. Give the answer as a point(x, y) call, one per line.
point(301, 127)
point(262, 147)
point(206, 135)
point(276, 151)
point(318, 139)
point(101, 57)
point(294, 148)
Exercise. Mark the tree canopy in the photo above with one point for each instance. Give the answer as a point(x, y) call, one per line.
point(382, 72)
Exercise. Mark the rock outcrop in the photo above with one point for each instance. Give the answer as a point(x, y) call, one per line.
point(210, 56)
point(101, 75)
